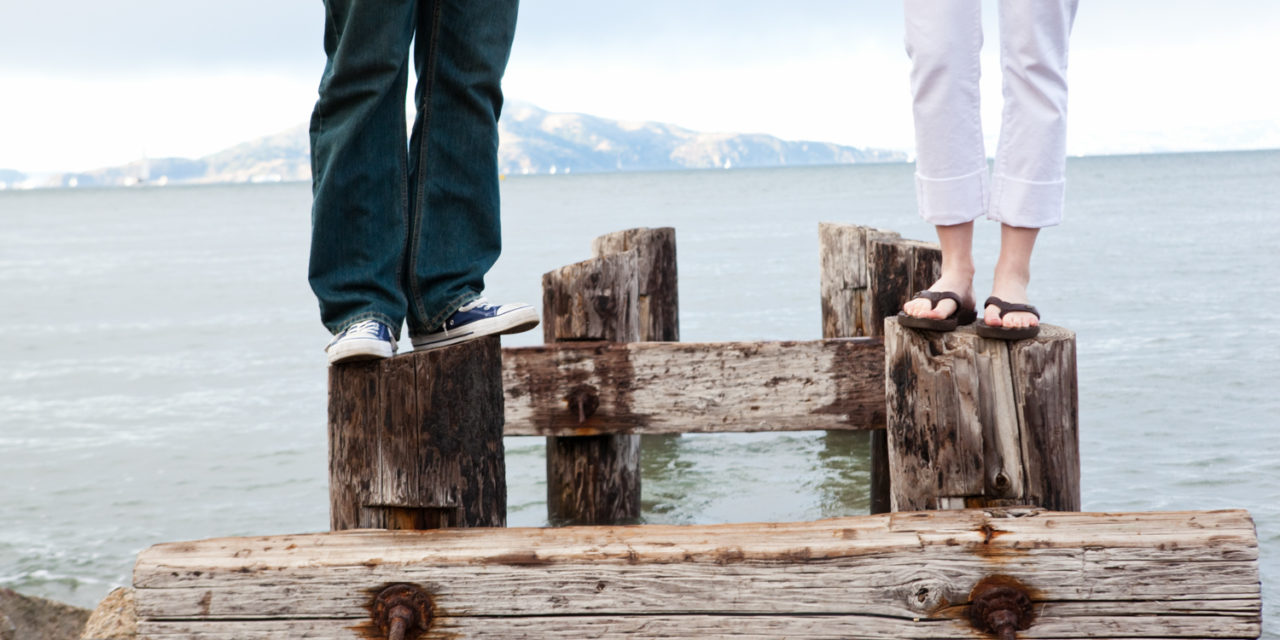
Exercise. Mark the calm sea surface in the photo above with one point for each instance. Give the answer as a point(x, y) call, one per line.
point(161, 372)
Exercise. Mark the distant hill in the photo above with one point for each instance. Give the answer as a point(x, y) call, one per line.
point(11, 177)
point(532, 141)
point(538, 141)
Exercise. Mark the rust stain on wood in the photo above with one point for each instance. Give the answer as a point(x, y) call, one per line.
point(381, 599)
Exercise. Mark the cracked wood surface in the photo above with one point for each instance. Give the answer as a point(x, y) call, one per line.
point(684, 387)
point(1147, 575)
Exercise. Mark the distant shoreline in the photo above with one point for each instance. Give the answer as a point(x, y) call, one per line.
point(143, 184)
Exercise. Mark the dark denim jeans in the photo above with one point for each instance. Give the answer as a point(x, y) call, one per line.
point(405, 229)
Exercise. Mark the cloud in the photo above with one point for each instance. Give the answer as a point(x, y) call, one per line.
point(87, 82)
point(82, 38)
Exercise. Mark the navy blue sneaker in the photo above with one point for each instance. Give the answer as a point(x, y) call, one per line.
point(479, 318)
point(368, 340)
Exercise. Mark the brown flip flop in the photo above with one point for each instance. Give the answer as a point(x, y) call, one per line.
point(1001, 333)
point(958, 317)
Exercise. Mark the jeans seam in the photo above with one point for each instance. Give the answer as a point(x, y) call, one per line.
point(414, 294)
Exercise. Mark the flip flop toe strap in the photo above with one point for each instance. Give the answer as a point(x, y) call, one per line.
point(934, 297)
point(1010, 307)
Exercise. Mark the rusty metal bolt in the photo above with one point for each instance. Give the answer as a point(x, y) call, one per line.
point(402, 612)
point(1000, 605)
point(584, 400)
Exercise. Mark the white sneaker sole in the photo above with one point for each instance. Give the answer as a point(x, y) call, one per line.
point(516, 321)
point(357, 350)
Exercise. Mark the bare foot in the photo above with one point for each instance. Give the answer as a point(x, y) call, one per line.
point(1010, 289)
point(958, 284)
point(957, 274)
point(1013, 272)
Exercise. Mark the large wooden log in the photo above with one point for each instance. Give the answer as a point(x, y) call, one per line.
point(593, 479)
point(902, 575)
point(976, 422)
point(415, 441)
point(589, 388)
point(867, 275)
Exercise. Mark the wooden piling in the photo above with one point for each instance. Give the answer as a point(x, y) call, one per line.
point(657, 293)
point(626, 293)
point(974, 422)
point(867, 275)
point(593, 479)
point(415, 441)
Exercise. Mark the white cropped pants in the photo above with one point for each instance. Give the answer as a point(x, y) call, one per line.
point(1026, 187)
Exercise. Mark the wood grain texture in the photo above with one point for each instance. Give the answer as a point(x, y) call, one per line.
point(595, 480)
point(595, 299)
point(977, 422)
point(658, 291)
point(867, 274)
point(1151, 575)
point(416, 440)
point(671, 387)
point(845, 280)
point(1050, 624)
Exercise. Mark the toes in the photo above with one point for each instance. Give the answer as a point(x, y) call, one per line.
point(920, 308)
point(1013, 320)
point(1021, 320)
point(992, 317)
point(916, 308)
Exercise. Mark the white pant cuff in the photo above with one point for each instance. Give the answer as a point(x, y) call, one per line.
point(1022, 203)
point(947, 201)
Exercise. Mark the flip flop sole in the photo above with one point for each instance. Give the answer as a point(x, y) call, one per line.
point(927, 324)
point(1000, 333)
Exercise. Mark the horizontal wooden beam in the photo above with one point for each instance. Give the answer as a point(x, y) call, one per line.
point(590, 388)
point(911, 574)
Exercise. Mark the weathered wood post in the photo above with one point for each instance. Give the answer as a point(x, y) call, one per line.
point(415, 441)
point(658, 295)
point(592, 479)
point(867, 275)
point(627, 293)
point(975, 422)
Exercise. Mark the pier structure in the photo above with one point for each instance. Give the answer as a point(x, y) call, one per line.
point(976, 528)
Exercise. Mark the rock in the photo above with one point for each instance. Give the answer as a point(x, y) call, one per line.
point(116, 618)
point(28, 617)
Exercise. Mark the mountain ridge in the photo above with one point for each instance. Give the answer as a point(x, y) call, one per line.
point(532, 141)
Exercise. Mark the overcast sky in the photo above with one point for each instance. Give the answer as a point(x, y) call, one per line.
point(86, 84)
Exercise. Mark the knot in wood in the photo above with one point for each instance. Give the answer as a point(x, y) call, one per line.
point(926, 595)
point(1000, 605)
point(402, 612)
point(583, 400)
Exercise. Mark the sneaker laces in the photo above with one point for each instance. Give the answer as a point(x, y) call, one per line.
point(365, 329)
point(478, 302)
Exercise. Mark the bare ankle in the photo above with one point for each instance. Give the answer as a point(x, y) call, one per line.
point(1017, 275)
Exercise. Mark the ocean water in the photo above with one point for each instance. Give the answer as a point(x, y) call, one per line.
point(161, 372)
